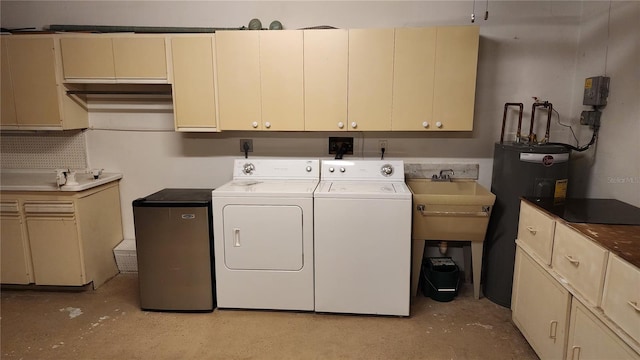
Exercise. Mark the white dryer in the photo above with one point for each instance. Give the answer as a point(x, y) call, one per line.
point(263, 235)
point(362, 238)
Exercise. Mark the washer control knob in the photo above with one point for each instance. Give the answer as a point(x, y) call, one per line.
point(331, 169)
point(309, 168)
point(386, 170)
point(425, 124)
point(342, 169)
point(439, 124)
point(254, 124)
point(340, 125)
point(267, 124)
point(248, 168)
point(354, 124)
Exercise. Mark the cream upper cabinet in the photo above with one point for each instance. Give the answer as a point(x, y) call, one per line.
point(540, 307)
point(456, 65)
point(260, 80)
point(100, 59)
point(239, 91)
point(7, 101)
point(31, 77)
point(281, 80)
point(325, 79)
point(370, 79)
point(194, 100)
point(413, 74)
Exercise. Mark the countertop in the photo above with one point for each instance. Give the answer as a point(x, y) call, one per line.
point(622, 240)
point(45, 180)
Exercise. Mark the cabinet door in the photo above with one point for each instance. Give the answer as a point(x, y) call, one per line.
point(87, 58)
point(281, 80)
point(325, 79)
point(33, 76)
point(140, 58)
point(16, 257)
point(455, 77)
point(193, 82)
point(370, 79)
point(540, 307)
point(589, 338)
point(238, 61)
point(414, 63)
point(56, 251)
point(7, 101)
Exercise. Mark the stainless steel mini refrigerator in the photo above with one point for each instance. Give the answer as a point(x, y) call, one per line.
point(174, 246)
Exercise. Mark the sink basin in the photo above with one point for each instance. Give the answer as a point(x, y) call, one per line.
point(453, 211)
point(453, 192)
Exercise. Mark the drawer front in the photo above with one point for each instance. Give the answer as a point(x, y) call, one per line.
point(621, 298)
point(535, 231)
point(580, 261)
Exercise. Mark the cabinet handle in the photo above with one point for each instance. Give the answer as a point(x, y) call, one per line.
point(354, 124)
point(634, 305)
point(439, 125)
point(236, 237)
point(425, 124)
point(573, 353)
point(267, 124)
point(254, 124)
point(340, 125)
point(553, 329)
point(572, 260)
point(532, 230)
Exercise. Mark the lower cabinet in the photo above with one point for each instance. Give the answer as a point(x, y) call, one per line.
point(60, 238)
point(15, 265)
point(540, 307)
point(589, 338)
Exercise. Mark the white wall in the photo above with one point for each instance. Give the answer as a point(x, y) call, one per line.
point(527, 48)
point(610, 45)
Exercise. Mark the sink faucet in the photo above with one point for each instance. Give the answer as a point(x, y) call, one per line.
point(445, 175)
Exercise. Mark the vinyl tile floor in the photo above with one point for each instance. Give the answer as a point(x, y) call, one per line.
point(107, 323)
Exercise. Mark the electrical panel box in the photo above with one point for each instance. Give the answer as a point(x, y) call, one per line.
point(596, 90)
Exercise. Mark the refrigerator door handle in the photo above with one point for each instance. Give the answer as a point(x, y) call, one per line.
point(236, 237)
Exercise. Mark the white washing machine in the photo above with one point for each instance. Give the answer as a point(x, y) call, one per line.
point(362, 238)
point(263, 235)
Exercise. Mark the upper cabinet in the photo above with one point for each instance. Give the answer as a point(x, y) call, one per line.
point(370, 79)
point(434, 78)
point(194, 100)
point(33, 97)
point(125, 59)
point(260, 80)
point(326, 70)
point(454, 86)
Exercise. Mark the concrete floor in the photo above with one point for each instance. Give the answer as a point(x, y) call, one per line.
point(108, 324)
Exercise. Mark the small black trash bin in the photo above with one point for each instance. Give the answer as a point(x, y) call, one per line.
point(439, 278)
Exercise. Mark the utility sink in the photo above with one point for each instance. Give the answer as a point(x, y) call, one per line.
point(456, 210)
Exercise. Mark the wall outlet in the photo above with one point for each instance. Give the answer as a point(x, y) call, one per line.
point(335, 143)
point(383, 144)
point(249, 144)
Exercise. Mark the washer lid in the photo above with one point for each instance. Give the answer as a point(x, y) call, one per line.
point(363, 189)
point(269, 188)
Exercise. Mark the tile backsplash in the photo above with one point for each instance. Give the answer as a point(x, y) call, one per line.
point(43, 150)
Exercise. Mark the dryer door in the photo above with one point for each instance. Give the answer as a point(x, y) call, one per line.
point(263, 237)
